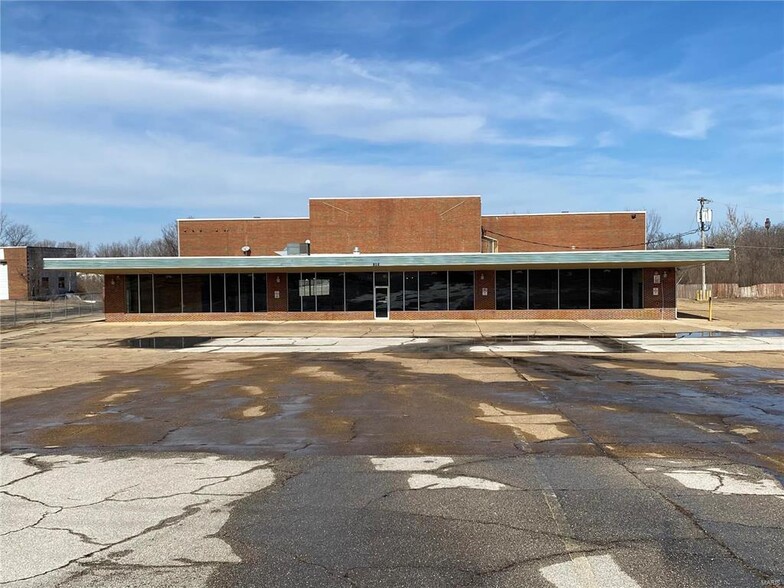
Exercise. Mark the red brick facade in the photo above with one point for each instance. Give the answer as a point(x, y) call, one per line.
point(16, 260)
point(560, 232)
point(411, 225)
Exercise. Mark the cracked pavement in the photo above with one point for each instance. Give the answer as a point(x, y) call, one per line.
point(397, 468)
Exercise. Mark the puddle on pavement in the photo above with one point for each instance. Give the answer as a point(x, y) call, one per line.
point(164, 342)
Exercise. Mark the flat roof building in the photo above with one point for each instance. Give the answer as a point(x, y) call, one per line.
point(23, 276)
point(400, 258)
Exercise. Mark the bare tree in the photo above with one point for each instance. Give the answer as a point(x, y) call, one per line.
point(653, 232)
point(168, 243)
point(14, 234)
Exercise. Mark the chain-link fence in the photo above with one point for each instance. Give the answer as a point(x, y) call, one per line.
point(15, 313)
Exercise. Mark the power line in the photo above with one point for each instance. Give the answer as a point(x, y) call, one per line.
point(559, 246)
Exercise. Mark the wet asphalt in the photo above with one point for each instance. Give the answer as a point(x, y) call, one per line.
point(564, 470)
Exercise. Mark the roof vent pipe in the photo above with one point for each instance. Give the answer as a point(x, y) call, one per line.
point(356, 250)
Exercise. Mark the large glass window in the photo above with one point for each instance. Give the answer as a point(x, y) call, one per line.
point(461, 290)
point(632, 288)
point(329, 289)
point(196, 293)
point(542, 289)
point(232, 293)
point(260, 292)
point(308, 288)
point(605, 288)
point(168, 293)
point(520, 289)
point(132, 293)
point(433, 291)
point(246, 292)
point(573, 286)
point(396, 291)
point(218, 293)
point(145, 293)
point(359, 291)
point(503, 290)
point(295, 300)
point(411, 293)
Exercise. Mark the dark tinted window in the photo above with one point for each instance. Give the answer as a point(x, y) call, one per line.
point(295, 302)
point(359, 291)
point(605, 288)
point(503, 290)
point(145, 293)
point(246, 292)
point(196, 293)
point(461, 290)
point(542, 289)
point(167, 293)
point(217, 293)
point(574, 288)
point(520, 289)
point(396, 291)
point(432, 291)
point(259, 292)
point(307, 290)
point(232, 293)
point(329, 291)
point(132, 293)
point(411, 284)
point(632, 288)
point(382, 279)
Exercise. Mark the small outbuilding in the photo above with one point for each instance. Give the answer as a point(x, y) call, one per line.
point(23, 276)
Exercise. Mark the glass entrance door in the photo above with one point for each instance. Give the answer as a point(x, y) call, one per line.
point(382, 302)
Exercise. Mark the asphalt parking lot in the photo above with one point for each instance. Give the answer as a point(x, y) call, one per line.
point(421, 462)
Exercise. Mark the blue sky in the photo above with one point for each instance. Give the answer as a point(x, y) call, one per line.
point(119, 117)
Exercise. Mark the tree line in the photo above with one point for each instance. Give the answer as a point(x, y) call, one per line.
point(756, 257)
point(18, 234)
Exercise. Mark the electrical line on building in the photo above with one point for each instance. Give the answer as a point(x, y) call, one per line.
point(651, 242)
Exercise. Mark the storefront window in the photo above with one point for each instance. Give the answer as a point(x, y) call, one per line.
point(461, 290)
point(503, 290)
point(132, 293)
point(359, 291)
point(396, 301)
point(632, 288)
point(573, 286)
point(520, 289)
point(246, 292)
point(542, 289)
point(295, 300)
point(433, 291)
point(145, 293)
point(259, 292)
point(329, 290)
point(411, 293)
point(606, 288)
point(196, 293)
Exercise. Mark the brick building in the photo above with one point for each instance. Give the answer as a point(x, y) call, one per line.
point(400, 258)
point(23, 277)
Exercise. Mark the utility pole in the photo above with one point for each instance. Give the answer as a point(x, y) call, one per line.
point(704, 219)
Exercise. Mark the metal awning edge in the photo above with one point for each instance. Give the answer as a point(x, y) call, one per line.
point(654, 257)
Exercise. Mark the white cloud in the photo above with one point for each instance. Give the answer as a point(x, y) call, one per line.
point(694, 125)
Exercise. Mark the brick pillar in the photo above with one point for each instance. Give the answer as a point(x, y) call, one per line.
point(664, 288)
point(113, 293)
point(484, 281)
point(277, 283)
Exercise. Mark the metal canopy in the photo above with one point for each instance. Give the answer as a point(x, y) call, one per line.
point(377, 262)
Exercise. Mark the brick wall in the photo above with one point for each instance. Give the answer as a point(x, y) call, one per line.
point(277, 283)
point(396, 225)
point(625, 230)
point(16, 258)
point(484, 279)
point(665, 296)
point(114, 294)
point(229, 236)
